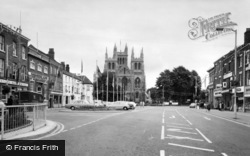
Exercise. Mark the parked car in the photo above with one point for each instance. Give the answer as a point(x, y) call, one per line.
point(165, 103)
point(192, 105)
point(77, 104)
point(175, 103)
point(118, 105)
point(132, 105)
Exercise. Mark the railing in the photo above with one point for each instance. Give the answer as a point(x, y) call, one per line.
point(18, 117)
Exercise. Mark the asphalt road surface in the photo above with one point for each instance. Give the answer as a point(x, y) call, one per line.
point(150, 131)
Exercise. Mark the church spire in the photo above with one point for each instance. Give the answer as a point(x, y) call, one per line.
point(126, 49)
point(132, 55)
point(115, 49)
point(106, 55)
point(142, 53)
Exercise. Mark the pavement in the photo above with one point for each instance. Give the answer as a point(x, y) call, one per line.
point(239, 117)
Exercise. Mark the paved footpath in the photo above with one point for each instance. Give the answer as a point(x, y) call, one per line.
point(240, 117)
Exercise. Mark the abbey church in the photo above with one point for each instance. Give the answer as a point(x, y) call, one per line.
point(131, 79)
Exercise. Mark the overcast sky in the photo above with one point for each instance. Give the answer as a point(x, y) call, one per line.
point(83, 29)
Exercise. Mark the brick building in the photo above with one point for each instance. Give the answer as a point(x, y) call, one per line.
point(13, 59)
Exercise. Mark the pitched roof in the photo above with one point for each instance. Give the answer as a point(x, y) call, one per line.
point(85, 79)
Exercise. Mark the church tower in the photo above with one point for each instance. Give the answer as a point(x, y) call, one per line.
point(129, 82)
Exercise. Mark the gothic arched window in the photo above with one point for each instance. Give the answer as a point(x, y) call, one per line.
point(137, 82)
point(137, 95)
point(113, 65)
point(135, 66)
point(109, 66)
point(139, 66)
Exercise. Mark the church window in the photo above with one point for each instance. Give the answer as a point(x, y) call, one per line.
point(139, 66)
point(137, 94)
point(124, 71)
point(135, 66)
point(113, 65)
point(109, 66)
point(137, 82)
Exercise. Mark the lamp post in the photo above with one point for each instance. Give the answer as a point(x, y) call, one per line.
point(235, 65)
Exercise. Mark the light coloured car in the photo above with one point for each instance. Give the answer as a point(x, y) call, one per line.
point(132, 105)
point(77, 104)
point(175, 103)
point(118, 105)
point(165, 103)
point(192, 105)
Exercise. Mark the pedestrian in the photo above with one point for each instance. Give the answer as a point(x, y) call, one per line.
point(10, 101)
point(220, 106)
point(208, 107)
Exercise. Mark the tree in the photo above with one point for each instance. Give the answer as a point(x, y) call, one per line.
point(179, 84)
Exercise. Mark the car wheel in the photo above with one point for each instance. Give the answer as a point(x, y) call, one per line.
point(72, 108)
point(125, 108)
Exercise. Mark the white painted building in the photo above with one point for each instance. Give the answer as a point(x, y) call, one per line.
point(87, 89)
point(72, 85)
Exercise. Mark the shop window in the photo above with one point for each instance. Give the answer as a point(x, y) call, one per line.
point(1, 68)
point(1, 43)
point(39, 89)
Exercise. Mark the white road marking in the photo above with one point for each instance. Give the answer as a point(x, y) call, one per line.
point(180, 137)
point(189, 122)
point(73, 128)
point(64, 131)
point(204, 136)
point(163, 120)
point(207, 118)
point(184, 117)
point(172, 117)
point(162, 153)
point(192, 147)
point(179, 127)
point(162, 133)
point(224, 154)
point(178, 124)
point(179, 131)
point(228, 120)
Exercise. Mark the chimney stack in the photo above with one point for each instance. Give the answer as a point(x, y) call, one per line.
point(51, 53)
point(247, 36)
point(67, 67)
point(63, 65)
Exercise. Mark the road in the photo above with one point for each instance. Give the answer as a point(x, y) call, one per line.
point(150, 131)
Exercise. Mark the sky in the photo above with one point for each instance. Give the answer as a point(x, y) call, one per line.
point(83, 29)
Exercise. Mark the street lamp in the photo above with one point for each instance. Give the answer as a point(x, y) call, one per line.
point(235, 64)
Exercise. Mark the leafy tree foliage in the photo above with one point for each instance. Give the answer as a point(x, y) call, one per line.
point(178, 85)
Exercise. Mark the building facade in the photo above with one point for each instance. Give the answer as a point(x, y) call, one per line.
point(38, 71)
point(226, 79)
point(72, 85)
point(87, 89)
point(130, 81)
point(55, 90)
point(13, 59)
point(210, 87)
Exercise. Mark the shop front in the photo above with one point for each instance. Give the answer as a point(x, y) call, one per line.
point(227, 98)
point(13, 85)
point(38, 84)
point(217, 97)
point(247, 97)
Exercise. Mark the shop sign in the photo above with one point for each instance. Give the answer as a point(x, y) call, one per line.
point(217, 93)
point(40, 78)
point(247, 91)
point(225, 91)
point(227, 75)
point(14, 83)
point(239, 90)
point(206, 28)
